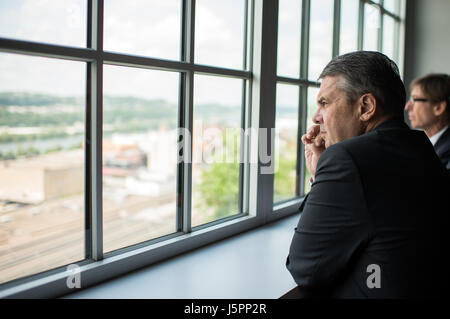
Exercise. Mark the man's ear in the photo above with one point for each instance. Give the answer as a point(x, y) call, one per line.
point(439, 108)
point(367, 106)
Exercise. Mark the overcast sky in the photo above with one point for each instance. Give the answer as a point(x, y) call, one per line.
point(152, 28)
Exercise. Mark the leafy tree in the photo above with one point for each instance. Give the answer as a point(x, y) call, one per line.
point(220, 183)
point(285, 178)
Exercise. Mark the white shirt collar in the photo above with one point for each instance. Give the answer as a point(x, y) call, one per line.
point(436, 136)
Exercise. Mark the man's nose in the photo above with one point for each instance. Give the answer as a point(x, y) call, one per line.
point(317, 118)
point(409, 106)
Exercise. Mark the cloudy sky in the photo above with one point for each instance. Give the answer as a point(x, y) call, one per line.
point(152, 28)
point(143, 27)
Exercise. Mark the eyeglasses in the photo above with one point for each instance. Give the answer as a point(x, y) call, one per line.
point(412, 99)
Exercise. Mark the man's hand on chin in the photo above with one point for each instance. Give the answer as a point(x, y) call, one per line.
point(314, 147)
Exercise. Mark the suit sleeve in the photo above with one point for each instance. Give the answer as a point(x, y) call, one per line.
point(333, 225)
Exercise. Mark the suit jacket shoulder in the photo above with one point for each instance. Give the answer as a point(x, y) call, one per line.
point(442, 148)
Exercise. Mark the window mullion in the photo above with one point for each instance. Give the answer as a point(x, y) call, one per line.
point(303, 90)
point(188, 41)
point(396, 40)
point(336, 27)
point(87, 150)
point(248, 106)
point(94, 129)
point(181, 121)
point(380, 31)
point(361, 25)
point(244, 106)
point(263, 90)
point(304, 39)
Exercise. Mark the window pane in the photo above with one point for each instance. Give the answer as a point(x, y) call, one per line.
point(139, 155)
point(42, 120)
point(52, 21)
point(143, 27)
point(289, 16)
point(312, 109)
point(388, 36)
point(348, 41)
point(320, 37)
point(371, 27)
point(312, 106)
point(219, 33)
point(285, 179)
point(392, 5)
point(216, 148)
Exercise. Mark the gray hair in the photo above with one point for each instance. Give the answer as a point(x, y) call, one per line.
point(364, 72)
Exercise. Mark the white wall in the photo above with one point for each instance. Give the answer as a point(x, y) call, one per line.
point(427, 39)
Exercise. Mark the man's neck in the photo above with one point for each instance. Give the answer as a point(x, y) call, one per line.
point(375, 122)
point(435, 127)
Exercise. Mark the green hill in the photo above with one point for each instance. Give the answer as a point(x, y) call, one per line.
point(126, 113)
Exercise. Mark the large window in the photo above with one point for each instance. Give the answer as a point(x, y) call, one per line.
point(127, 131)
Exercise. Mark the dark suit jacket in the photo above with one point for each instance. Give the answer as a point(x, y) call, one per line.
point(442, 148)
point(378, 199)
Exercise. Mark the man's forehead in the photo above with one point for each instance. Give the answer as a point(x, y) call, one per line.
point(328, 87)
point(416, 89)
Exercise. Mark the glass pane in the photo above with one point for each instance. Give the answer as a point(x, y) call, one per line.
point(42, 120)
point(371, 27)
point(289, 16)
point(286, 124)
point(311, 110)
point(219, 33)
point(392, 5)
point(216, 147)
point(312, 105)
point(52, 21)
point(348, 41)
point(139, 155)
point(143, 27)
point(320, 37)
point(388, 36)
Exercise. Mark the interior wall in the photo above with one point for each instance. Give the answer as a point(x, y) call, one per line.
point(427, 38)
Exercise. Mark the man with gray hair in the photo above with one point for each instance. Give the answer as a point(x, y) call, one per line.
point(374, 223)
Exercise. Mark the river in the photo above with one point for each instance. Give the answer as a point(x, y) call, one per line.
point(43, 144)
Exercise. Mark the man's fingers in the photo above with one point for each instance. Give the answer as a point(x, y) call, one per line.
point(319, 141)
point(313, 131)
point(306, 139)
point(312, 136)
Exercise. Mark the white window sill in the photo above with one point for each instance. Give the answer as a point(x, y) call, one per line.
point(247, 266)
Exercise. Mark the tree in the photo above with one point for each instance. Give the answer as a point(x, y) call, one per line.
point(219, 185)
point(285, 178)
point(220, 182)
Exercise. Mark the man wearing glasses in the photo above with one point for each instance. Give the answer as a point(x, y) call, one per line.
point(429, 109)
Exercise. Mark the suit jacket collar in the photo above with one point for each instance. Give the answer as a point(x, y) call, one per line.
point(443, 139)
point(393, 123)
